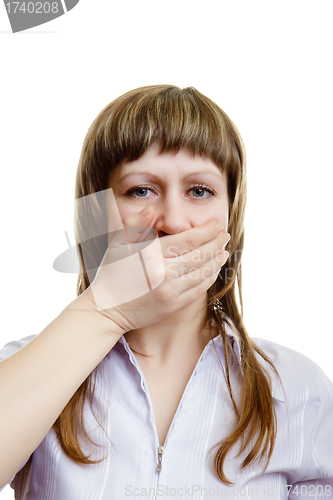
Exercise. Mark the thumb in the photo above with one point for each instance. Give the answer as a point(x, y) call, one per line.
point(136, 228)
point(141, 224)
point(144, 217)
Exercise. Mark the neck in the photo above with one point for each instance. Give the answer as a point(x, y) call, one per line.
point(179, 333)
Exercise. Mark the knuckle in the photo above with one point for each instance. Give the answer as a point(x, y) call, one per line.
point(163, 292)
point(199, 257)
point(191, 240)
point(158, 298)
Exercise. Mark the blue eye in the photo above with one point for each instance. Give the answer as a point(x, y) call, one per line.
point(139, 191)
point(200, 189)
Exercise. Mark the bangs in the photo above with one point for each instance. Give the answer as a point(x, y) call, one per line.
point(172, 117)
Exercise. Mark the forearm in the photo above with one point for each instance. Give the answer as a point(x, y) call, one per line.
point(37, 381)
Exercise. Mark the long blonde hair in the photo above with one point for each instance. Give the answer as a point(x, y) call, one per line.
point(180, 118)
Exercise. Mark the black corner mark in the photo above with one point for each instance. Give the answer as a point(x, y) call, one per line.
point(70, 4)
point(28, 14)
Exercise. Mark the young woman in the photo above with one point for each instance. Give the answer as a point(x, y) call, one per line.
point(148, 384)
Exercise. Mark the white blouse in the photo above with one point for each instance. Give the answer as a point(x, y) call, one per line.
point(301, 466)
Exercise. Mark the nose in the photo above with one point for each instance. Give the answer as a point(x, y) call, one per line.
point(171, 216)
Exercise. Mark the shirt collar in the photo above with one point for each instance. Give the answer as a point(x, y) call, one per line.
point(277, 391)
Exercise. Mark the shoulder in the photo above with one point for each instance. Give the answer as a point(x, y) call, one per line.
point(288, 359)
point(306, 412)
point(299, 374)
point(13, 346)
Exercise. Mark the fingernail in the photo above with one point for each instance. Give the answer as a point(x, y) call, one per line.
point(145, 211)
point(219, 227)
point(226, 242)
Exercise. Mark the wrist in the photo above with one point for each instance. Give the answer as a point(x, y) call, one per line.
point(84, 306)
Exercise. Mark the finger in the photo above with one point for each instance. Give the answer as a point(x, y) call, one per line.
point(136, 228)
point(189, 240)
point(197, 282)
point(144, 215)
point(176, 266)
point(191, 294)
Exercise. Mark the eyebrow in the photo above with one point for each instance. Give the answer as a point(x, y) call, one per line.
point(184, 178)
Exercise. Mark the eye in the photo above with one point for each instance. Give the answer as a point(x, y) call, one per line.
point(201, 188)
point(197, 189)
point(139, 191)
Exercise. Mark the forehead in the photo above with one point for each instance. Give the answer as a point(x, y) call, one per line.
point(182, 164)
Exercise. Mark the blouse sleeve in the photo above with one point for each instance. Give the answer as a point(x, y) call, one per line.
point(318, 481)
point(6, 351)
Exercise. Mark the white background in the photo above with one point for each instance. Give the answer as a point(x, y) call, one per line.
point(267, 64)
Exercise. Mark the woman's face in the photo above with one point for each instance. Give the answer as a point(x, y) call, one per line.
point(185, 191)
